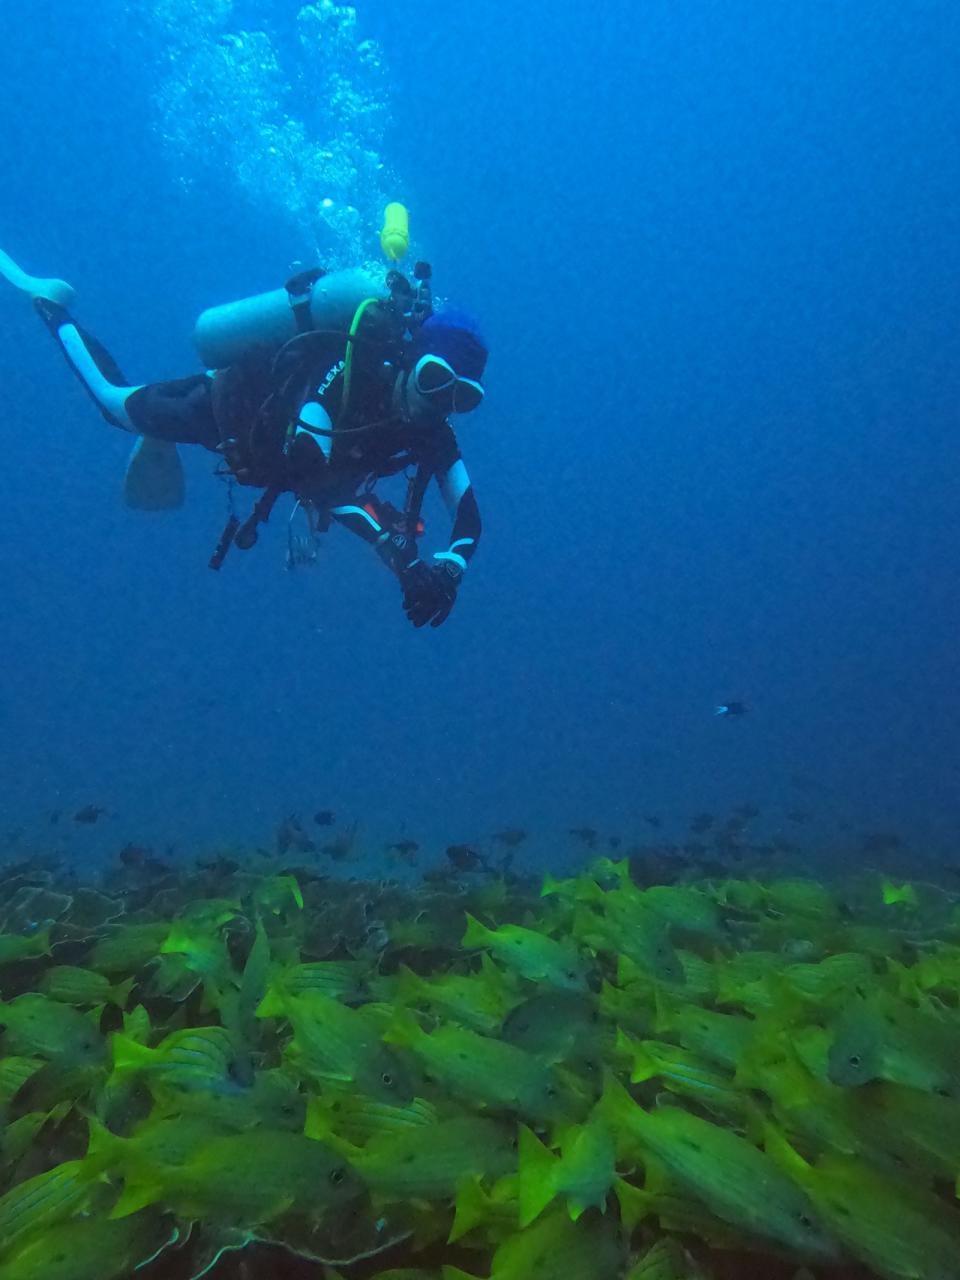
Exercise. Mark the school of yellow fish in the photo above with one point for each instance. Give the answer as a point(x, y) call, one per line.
point(596, 1081)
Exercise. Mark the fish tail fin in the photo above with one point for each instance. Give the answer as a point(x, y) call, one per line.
point(130, 1054)
point(550, 885)
point(477, 934)
point(470, 1207)
point(409, 985)
point(535, 1176)
point(119, 994)
point(318, 1126)
point(404, 1031)
point(271, 1006)
point(635, 1203)
point(642, 1065)
point(102, 1145)
point(782, 1153)
point(136, 1196)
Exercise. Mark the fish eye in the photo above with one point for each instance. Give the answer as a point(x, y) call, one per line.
point(337, 1175)
point(551, 1091)
point(855, 1060)
point(386, 1078)
point(805, 1221)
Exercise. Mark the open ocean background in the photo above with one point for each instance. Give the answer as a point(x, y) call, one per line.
point(715, 248)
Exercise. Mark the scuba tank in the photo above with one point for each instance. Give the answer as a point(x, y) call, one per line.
point(311, 300)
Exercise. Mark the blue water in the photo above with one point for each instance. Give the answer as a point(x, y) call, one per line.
point(715, 248)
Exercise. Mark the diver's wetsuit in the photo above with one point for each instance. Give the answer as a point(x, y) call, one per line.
point(329, 465)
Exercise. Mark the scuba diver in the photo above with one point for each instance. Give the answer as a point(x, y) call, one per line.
point(319, 390)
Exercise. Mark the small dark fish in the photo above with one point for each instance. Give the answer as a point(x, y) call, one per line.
point(730, 709)
point(652, 820)
point(510, 837)
point(343, 845)
point(587, 834)
point(702, 822)
point(324, 817)
point(291, 835)
point(221, 866)
point(135, 855)
point(464, 857)
point(614, 842)
point(89, 813)
point(407, 849)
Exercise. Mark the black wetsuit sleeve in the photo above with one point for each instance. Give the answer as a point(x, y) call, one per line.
point(457, 492)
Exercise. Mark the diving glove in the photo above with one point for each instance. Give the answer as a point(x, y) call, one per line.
point(430, 591)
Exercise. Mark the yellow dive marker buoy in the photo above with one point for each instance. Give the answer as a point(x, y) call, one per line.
point(395, 236)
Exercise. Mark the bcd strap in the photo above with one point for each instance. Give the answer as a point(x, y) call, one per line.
point(299, 289)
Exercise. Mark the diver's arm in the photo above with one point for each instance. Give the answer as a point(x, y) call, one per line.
point(459, 498)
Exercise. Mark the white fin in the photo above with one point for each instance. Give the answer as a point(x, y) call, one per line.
point(154, 478)
point(54, 290)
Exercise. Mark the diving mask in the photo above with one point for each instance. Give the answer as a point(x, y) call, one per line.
point(434, 377)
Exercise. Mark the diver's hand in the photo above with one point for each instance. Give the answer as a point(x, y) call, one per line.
point(430, 591)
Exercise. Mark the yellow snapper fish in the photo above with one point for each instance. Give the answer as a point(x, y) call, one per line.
point(678, 1212)
point(554, 1248)
point(23, 946)
point(493, 1211)
point(698, 983)
point(834, 978)
point(430, 1161)
point(687, 909)
point(624, 926)
point(921, 1129)
point(880, 1038)
point(89, 1249)
point(805, 1104)
point(529, 954)
point(278, 894)
point(561, 1027)
point(204, 953)
point(155, 1141)
point(338, 979)
point(73, 985)
point(479, 1001)
point(719, 1037)
point(357, 1119)
point(128, 948)
point(342, 1047)
point(583, 1173)
point(686, 1074)
point(900, 1230)
point(36, 1204)
point(35, 1024)
point(666, 1259)
point(799, 897)
point(271, 1101)
point(14, 1073)
point(738, 1183)
point(245, 1179)
point(482, 1070)
point(201, 1055)
point(16, 1137)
